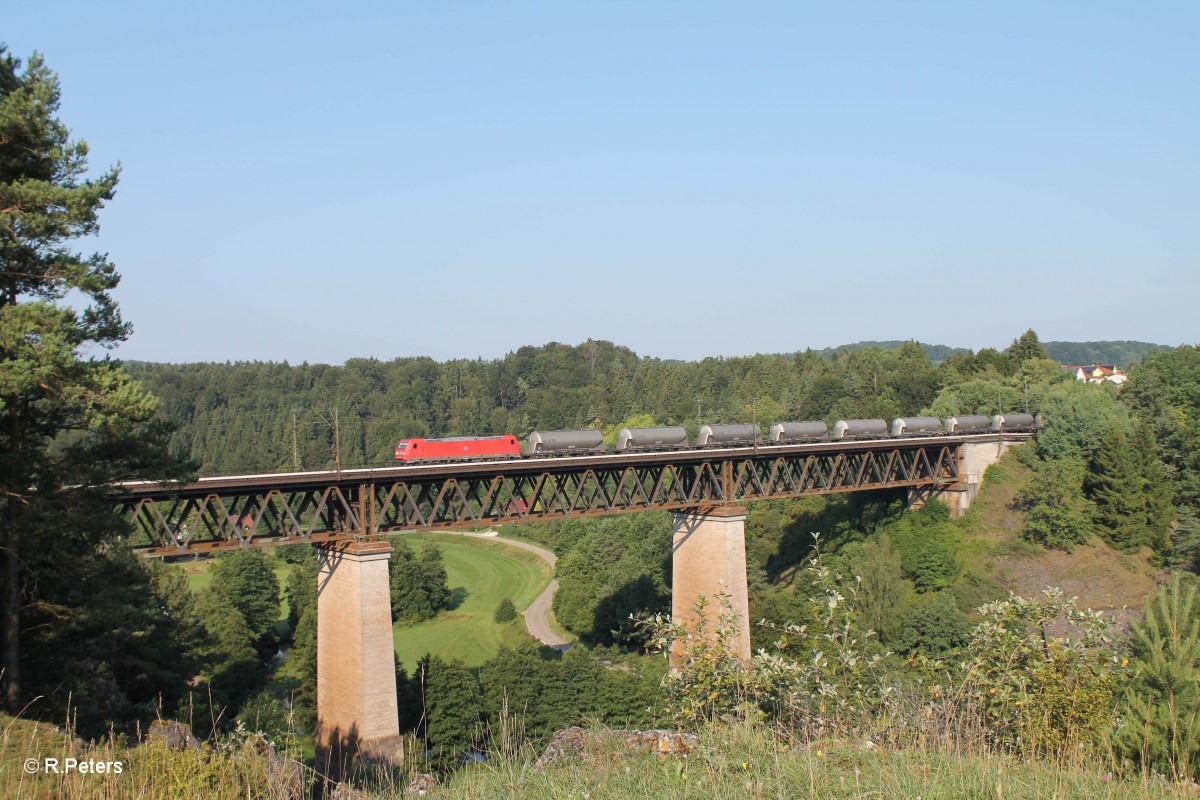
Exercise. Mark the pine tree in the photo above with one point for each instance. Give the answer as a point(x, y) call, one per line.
point(73, 423)
point(304, 656)
point(1185, 541)
point(419, 584)
point(406, 584)
point(1025, 347)
point(451, 709)
point(1162, 705)
point(571, 689)
point(514, 691)
point(1116, 488)
point(227, 654)
point(301, 590)
point(247, 581)
point(1157, 508)
point(434, 580)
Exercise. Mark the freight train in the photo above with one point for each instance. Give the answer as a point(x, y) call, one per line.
point(565, 443)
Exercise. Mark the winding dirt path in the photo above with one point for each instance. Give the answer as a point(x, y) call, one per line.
point(536, 616)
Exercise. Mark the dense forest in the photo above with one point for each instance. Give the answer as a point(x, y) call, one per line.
point(263, 416)
point(1122, 353)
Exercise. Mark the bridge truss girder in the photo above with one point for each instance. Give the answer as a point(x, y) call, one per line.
point(344, 510)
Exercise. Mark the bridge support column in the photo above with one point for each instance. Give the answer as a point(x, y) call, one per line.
point(708, 558)
point(356, 659)
point(973, 460)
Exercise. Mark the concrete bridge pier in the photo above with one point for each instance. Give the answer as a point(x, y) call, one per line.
point(708, 557)
point(356, 658)
point(973, 460)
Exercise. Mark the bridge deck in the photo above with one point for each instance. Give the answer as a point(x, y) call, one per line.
point(331, 506)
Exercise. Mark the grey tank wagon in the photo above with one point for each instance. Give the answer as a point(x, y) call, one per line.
point(672, 438)
point(860, 429)
point(728, 435)
point(553, 442)
point(916, 426)
point(791, 432)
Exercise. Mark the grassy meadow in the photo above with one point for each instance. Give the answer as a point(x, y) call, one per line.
point(481, 573)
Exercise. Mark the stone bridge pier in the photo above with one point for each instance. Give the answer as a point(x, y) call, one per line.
point(708, 557)
point(973, 460)
point(356, 658)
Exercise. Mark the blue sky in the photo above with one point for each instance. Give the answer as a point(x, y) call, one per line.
point(313, 183)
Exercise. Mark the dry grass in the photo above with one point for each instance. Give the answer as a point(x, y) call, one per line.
point(135, 772)
point(1100, 577)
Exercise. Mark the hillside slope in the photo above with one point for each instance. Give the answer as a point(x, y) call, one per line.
point(1099, 576)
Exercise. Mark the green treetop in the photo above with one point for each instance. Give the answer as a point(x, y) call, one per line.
point(1025, 347)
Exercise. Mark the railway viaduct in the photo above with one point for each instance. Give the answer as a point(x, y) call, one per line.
point(344, 514)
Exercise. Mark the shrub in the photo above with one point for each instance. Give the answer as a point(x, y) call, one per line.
point(506, 611)
point(1055, 515)
point(934, 625)
point(1017, 687)
point(265, 714)
point(706, 682)
point(1038, 694)
point(819, 679)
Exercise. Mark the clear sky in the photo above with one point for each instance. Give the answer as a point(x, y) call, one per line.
point(313, 183)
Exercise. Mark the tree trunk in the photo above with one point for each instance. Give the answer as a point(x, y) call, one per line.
point(10, 657)
point(12, 622)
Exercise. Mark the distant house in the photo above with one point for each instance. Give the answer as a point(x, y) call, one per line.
point(1097, 373)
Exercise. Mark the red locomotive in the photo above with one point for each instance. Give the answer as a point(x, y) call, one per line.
point(409, 451)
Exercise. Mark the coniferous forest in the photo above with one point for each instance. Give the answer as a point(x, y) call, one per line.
point(876, 622)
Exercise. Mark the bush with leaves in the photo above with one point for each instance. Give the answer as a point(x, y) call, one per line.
point(1055, 512)
point(883, 592)
point(819, 678)
point(1036, 692)
point(1078, 417)
point(1037, 678)
point(264, 713)
point(706, 681)
point(927, 542)
point(825, 678)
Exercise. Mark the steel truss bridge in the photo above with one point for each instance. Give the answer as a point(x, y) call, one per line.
point(332, 507)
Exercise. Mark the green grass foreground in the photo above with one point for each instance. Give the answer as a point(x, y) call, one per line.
point(736, 761)
point(481, 573)
point(742, 761)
